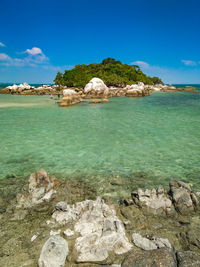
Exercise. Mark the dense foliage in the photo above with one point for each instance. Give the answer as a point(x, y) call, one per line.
point(112, 72)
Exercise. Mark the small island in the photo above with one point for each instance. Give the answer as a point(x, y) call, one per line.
point(99, 82)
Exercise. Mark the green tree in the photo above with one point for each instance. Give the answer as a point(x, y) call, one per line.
point(111, 71)
point(59, 78)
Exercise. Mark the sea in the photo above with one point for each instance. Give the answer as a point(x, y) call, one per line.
point(115, 147)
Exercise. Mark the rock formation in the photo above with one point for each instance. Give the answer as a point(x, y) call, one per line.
point(95, 88)
point(180, 198)
point(100, 229)
point(70, 97)
point(54, 252)
point(41, 188)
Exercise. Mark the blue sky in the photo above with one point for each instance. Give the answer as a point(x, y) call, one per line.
point(39, 38)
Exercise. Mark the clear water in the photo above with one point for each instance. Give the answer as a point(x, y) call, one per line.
point(115, 147)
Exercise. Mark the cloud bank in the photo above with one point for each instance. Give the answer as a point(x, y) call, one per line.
point(1, 44)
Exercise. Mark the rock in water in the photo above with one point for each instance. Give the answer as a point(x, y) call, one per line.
point(54, 252)
point(70, 98)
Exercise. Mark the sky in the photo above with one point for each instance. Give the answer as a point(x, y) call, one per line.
point(41, 37)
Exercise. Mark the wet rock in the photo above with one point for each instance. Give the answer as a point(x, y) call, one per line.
point(70, 98)
point(105, 100)
point(95, 101)
point(54, 252)
point(193, 237)
point(40, 189)
point(155, 258)
point(155, 201)
point(148, 244)
point(188, 259)
point(143, 242)
point(100, 230)
point(184, 200)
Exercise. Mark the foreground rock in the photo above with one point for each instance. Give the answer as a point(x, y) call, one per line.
point(188, 259)
point(70, 98)
point(148, 244)
point(180, 198)
point(54, 252)
point(48, 231)
point(41, 189)
point(101, 231)
point(159, 257)
point(184, 200)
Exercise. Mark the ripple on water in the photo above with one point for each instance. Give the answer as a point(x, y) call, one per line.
point(107, 144)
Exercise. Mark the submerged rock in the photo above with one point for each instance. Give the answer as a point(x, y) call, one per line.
point(54, 252)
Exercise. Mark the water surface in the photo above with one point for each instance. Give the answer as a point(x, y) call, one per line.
point(116, 147)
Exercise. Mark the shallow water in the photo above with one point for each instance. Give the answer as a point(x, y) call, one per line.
point(116, 147)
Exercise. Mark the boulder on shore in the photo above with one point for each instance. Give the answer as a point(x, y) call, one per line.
point(40, 189)
point(96, 87)
point(54, 252)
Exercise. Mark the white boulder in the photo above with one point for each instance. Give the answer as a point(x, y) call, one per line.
point(69, 92)
point(54, 252)
point(147, 244)
point(96, 85)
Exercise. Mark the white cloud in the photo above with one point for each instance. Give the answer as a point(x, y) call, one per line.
point(189, 62)
point(5, 57)
point(141, 64)
point(1, 44)
point(34, 51)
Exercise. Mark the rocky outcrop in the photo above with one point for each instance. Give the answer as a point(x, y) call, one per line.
point(155, 201)
point(183, 198)
point(180, 198)
point(40, 189)
point(147, 244)
point(100, 230)
point(136, 90)
point(70, 97)
point(54, 252)
point(95, 88)
point(188, 259)
point(159, 257)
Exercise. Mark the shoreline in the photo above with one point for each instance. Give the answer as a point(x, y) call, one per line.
point(156, 225)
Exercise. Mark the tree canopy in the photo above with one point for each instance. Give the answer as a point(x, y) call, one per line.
point(112, 72)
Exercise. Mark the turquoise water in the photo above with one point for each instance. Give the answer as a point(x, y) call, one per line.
point(115, 147)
